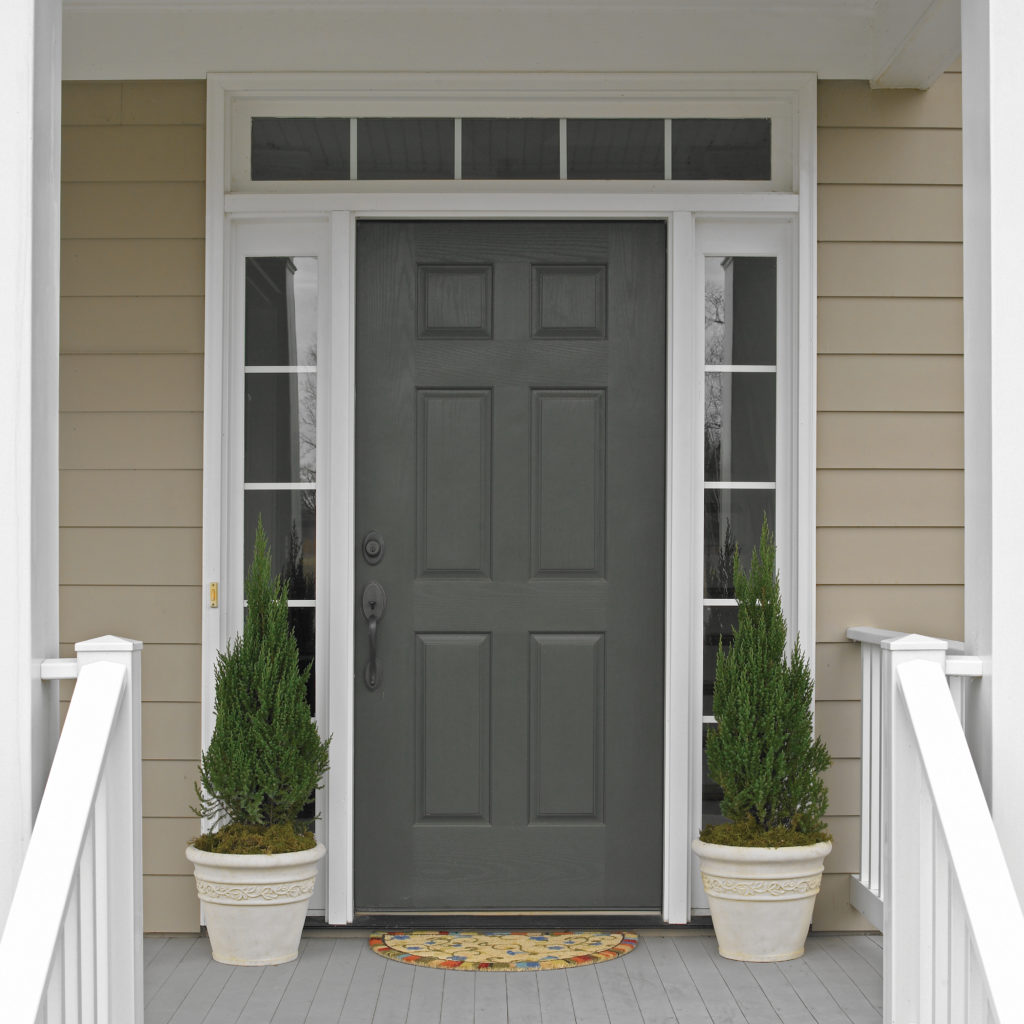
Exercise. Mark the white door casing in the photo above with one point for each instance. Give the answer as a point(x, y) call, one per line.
point(778, 223)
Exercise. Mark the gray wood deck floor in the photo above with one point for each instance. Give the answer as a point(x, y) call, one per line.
point(667, 978)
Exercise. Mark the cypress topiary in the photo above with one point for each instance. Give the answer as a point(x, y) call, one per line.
point(763, 753)
point(266, 757)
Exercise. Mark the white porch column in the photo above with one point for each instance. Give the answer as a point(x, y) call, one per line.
point(993, 81)
point(30, 58)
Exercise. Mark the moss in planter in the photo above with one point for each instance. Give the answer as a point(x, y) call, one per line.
point(749, 833)
point(242, 838)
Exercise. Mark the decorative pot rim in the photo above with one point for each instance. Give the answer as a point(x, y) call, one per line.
point(762, 854)
point(255, 860)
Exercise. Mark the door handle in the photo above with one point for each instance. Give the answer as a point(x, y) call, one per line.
point(374, 602)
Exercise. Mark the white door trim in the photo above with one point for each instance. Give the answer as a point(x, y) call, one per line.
point(681, 212)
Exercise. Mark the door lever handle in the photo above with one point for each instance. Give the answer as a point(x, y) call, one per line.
point(374, 602)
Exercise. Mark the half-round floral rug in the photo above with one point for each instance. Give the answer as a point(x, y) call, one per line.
point(502, 951)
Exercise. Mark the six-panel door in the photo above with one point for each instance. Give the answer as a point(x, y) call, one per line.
point(510, 411)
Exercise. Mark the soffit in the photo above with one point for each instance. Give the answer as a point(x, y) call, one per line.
point(899, 43)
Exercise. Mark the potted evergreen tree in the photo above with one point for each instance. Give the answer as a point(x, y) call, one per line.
point(762, 869)
point(256, 869)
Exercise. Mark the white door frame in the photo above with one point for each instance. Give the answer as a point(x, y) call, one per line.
point(684, 214)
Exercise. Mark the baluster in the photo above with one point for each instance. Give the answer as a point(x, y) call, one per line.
point(54, 998)
point(959, 956)
point(941, 923)
point(72, 956)
point(103, 839)
point(874, 754)
point(87, 923)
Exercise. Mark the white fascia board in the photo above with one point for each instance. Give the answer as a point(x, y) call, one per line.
point(190, 41)
point(914, 57)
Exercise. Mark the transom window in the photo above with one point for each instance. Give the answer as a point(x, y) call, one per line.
point(510, 148)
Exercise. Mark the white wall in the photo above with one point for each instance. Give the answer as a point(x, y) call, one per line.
point(30, 52)
point(993, 81)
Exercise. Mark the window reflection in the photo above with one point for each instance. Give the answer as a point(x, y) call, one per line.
point(280, 311)
point(740, 310)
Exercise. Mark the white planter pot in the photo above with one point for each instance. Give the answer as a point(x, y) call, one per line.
point(255, 904)
point(761, 899)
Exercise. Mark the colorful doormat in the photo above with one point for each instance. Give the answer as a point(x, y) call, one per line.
point(502, 951)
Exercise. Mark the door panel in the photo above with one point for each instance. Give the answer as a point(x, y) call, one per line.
point(510, 412)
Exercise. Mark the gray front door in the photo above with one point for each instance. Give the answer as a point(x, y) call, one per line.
point(510, 456)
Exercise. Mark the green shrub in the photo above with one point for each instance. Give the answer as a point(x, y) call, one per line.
point(763, 753)
point(266, 756)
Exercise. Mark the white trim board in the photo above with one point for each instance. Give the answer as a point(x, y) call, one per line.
point(780, 223)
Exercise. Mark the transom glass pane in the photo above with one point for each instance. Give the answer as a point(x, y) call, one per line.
point(615, 148)
point(722, 148)
point(509, 147)
point(300, 148)
point(394, 148)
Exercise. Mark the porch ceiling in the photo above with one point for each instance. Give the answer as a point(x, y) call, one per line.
point(893, 43)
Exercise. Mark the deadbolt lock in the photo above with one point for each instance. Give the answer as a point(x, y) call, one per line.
point(373, 548)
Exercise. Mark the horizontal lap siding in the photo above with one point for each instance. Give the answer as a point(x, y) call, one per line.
point(890, 406)
point(132, 251)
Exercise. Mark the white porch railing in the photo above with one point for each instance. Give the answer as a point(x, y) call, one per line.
point(71, 949)
point(882, 651)
point(933, 876)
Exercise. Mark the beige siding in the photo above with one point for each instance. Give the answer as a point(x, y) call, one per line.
point(890, 404)
point(890, 482)
point(132, 226)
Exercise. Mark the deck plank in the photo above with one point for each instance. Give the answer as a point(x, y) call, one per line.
point(555, 998)
point(720, 1002)
point(490, 1000)
point(863, 975)
point(364, 989)
point(200, 998)
point(754, 1004)
point(151, 945)
point(865, 946)
point(233, 997)
point(619, 998)
point(330, 994)
point(813, 993)
point(457, 999)
point(587, 1001)
point(840, 986)
point(268, 991)
point(679, 987)
point(168, 997)
point(165, 963)
point(523, 998)
point(395, 993)
point(302, 986)
point(427, 993)
point(780, 993)
point(654, 1004)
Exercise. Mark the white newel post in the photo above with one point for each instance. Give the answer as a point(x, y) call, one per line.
point(121, 977)
point(30, 49)
point(993, 83)
point(901, 865)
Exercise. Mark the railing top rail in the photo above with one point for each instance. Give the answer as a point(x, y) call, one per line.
point(59, 668)
point(990, 900)
point(51, 860)
point(871, 635)
point(964, 665)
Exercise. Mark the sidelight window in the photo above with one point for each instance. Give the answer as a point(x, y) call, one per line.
point(740, 344)
point(280, 437)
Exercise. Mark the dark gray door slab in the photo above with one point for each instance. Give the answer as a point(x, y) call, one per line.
point(510, 435)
